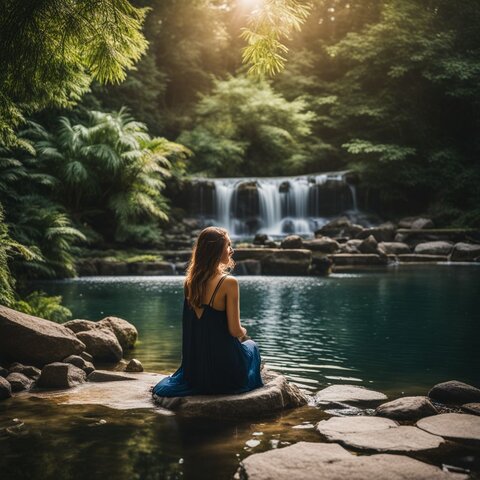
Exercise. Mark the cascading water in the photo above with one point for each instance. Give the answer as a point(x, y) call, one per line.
point(277, 206)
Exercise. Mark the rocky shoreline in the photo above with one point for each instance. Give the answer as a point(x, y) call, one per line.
point(339, 245)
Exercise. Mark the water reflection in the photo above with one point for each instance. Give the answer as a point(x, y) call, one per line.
point(401, 330)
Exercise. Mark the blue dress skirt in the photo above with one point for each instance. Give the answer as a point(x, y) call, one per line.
point(213, 362)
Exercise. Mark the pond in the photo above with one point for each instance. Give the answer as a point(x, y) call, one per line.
point(399, 331)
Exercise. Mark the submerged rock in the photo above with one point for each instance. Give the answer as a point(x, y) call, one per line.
point(375, 433)
point(347, 393)
point(276, 394)
point(19, 381)
point(457, 426)
point(102, 344)
point(324, 461)
point(454, 392)
point(60, 375)
point(407, 408)
point(5, 389)
point(32, 340)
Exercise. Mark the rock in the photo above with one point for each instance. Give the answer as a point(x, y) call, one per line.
point(395, 248)
point(86, 356)
point(383, 233)
point(107, 376)
point(374, 433)
point(80, 325)
point(422, 223)
point(27, 370)
point(347, 393)
point(293, 262)
point(60, 375)
point(276, 394)
point(261, 239)
point(454, 392)
point(3, 372)
point(248, 267)
point(339, 227)
point(329, 461)
point(322, 244)
point(472, 408)
point(434, 248)
point(321, 266)
point(465, 252)
point(80, 362)
point(5, 389)
point(407, 408)
point(19, 381)
point(102, 344)
point(33, 340)
point(134, 365)
point(456, 426)
point(350, 259)
point(417, 258)
point(369, 245)
point(125, 332)
point(406, 222)
point(292, 242)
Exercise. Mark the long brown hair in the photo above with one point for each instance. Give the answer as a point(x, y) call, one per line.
point(205, 262)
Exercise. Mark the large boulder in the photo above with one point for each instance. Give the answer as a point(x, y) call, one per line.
point(60, 375)
point(276, 394)
point(368, 245)
point(102, 344)
point(383, 233)
point(19, 381)
point(5, 389)
point(454, 392)
point(287, 262)
point(125, 332)
point(330, 461)
point(33, 340)
point(407, 408)
point(465, 252)
point(339, 227)
point(434, 248)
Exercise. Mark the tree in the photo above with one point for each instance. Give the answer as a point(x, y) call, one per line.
point(244, 128)
point(50, 52)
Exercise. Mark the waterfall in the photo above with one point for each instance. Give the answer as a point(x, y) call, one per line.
point(277, 206)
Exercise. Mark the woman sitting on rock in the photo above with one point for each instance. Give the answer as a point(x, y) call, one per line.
point(214, 359)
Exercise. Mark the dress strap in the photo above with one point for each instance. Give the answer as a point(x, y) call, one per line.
point(210, 303)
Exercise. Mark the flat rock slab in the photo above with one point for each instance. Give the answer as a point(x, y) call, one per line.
point(322, 461)
point(348, 394)
point(276, 394)
point(375, 433)
point(457, 426)
point(114, 394)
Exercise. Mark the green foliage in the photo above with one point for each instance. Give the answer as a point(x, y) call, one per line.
point(244, 128)
point(43, 306)
point(269, 24)
point(7, 282)
point(51, 50)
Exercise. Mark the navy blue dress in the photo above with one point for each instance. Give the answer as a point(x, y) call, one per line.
point(213, 362)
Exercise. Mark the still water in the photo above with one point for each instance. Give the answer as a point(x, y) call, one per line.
point(399, 331)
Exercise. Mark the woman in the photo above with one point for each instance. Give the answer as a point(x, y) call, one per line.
point(214, 360)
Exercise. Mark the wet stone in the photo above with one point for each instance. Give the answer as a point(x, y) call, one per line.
point(323, 461)
point(19, 381)
point(472, 408)
point(347, 393)
point(456, 426)
point(455, 392)
point(5, 389)
point(375, 433)
point(407, 408)
point(27, 370)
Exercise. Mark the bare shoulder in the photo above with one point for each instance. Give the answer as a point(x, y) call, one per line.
point(231, 283)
